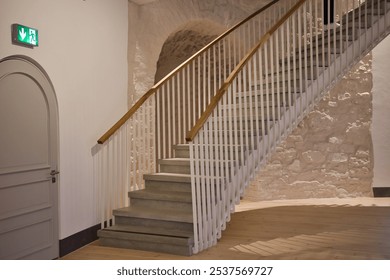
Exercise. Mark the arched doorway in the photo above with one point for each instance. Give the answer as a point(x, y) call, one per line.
point(28, 161)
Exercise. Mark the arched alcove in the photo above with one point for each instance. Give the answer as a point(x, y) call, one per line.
point(183, 43)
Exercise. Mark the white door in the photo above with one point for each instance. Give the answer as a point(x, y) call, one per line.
point(28, 154)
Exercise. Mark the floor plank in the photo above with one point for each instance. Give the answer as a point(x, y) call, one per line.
point(309, 229)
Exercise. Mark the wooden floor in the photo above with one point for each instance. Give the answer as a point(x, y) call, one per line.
point(315, 229)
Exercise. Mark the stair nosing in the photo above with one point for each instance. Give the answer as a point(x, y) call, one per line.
point(161, 239)
point(168, 177)
point(159, 214)
point(174, 161)
point(150, 230)
point(162, 195)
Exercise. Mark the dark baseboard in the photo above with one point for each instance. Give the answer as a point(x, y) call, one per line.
point(78, 240)
point(381, 192)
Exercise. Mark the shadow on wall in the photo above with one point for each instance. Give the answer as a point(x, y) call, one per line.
point(184, 42)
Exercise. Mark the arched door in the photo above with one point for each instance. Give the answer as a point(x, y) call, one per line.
point(28, 162)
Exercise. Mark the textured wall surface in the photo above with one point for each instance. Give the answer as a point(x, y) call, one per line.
point(184, 43)
point(150, 25)
point(330, 153)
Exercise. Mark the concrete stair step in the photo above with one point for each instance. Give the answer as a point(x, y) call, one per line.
point(168, 182)
point(266, 101)
point(154, 239)
point(161, 199)
point(329, 46)
point(277, 86)
point(181, 151)
point(257, 94)
point(241, 139)
point(175, 165)
point(265, 104)
point(158, 231)
point(149, 216)
point(345, 32)
point(297, 61)
point(372, 7)
point(273, 87)
point(151, 213)
point(238, 132)
point(154, 223)
point(289, 73)
point(216, 148)
point(288, 85)
point(361, 21)
point(244, 124)
point(369, 8)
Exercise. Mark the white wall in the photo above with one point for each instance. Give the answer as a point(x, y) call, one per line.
point(381, 113)
point(83, 48)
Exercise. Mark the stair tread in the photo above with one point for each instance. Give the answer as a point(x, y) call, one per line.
point(145, 237)
point(161, 213)
point(161, 195)
point(147, 242)
point(181, 146)
point(175, 161)
point(253, 118)
point(152, 231)
point(168, 177)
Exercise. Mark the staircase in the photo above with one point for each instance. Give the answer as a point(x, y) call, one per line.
point(183, 203)
point(160, 216)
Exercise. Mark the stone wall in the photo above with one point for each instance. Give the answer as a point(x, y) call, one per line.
point(330, 153)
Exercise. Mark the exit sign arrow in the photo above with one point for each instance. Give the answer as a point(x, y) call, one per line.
point(24, 36)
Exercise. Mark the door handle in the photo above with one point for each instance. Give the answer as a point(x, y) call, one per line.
point(53, 174)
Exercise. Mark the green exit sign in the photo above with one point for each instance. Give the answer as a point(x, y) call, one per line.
point(24, 36)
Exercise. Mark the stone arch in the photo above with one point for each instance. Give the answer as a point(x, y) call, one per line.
point(184, 42)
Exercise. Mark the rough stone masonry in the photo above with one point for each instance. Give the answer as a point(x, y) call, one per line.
point(330, 153)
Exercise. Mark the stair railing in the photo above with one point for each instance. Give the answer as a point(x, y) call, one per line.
point(272, 88)
point(161, 118)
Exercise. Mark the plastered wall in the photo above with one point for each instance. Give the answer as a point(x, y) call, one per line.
point(83, 48)
point(381, 114)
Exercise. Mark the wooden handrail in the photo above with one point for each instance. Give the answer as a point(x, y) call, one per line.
point(214, 101)
point(151, 91)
